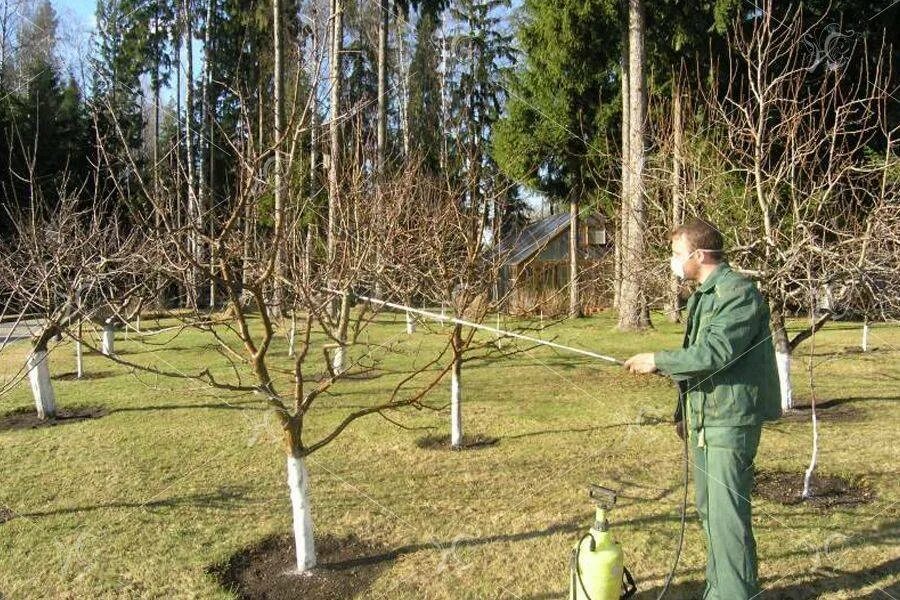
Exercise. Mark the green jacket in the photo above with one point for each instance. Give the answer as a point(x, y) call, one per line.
point(726, 367)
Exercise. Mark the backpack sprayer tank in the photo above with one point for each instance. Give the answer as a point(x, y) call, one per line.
point(597, 566)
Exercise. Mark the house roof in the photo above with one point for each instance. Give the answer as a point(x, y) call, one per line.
point(531, 238)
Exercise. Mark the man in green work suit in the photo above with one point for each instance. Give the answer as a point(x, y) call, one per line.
point(728, 385)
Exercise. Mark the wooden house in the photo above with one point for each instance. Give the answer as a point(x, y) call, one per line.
point(534, 274)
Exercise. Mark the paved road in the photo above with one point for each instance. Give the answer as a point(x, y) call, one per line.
point(23, 330)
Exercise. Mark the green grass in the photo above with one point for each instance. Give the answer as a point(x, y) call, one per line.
point(177, 477)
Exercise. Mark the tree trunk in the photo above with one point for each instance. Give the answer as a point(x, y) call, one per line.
point(79, 359)
point(194, 209)
point(206, 173)
point(620, 239)
point(382, 84)
point(278, 290)
point(292, 336)
point(337, 363)
point(381, 148)
point(865, 335)
point(41, 386)
point(298, 484)
point(403, 85)
point(337, 42)
point(633, 312)
point(782, 359)
point(314, 114)
point(456, 428)
point(677, 197)
point(157, 218)
point(814, 456)
point(410, 323)
point(107, 346)
point(574, 300)
point(445, 101)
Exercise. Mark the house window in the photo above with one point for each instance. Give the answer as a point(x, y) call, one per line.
point(598, 236)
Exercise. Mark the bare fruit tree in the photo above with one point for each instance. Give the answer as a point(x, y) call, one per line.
point(806, 193)
point(67, 268)
point(246, 331)
point(443, 259)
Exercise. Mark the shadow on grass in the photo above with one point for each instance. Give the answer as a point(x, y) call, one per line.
point(826, 583)
point(224, 498)
point(847, 400)
point(838, 581)
point(571, 526)
point(647, 420)
point(848, 409)
point(434, 441)
point(240, 405)
point(90, 375)
point(143, 349)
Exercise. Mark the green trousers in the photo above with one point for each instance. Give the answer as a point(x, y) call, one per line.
point(723, 478)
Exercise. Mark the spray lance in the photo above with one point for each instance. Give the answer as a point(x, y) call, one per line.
point(597, 570)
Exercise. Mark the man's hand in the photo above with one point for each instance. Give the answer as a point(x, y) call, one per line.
point(641, 363)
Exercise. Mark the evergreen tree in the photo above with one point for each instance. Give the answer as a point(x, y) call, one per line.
point(43, 123)
point(425, 95)
point(557, 132)
point(116, 94)
point(482, 56)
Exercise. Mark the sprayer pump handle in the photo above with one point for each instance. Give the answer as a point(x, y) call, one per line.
point(602, 494)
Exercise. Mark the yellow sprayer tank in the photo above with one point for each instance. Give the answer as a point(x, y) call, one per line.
point(597, 564)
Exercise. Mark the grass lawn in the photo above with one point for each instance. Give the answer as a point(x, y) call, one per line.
point(178, 477)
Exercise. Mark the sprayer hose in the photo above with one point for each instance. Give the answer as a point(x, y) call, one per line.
point(684, 500)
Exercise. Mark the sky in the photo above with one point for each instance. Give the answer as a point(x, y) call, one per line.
point(81, 10)
point(76, 18)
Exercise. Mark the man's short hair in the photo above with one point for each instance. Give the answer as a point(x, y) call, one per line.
point(702, 235)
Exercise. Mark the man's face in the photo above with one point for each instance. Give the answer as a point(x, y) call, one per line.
point(682, 252)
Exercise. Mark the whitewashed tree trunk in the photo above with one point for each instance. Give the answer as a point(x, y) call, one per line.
point(783, 361)
point(865, 336)
point(79, 352)
point(293, 335)
point(410, 323)
point(41, 387)
point(298, 484)
point(337, 360)
point(107, 345)
point(79, 359)
point(456, 430)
